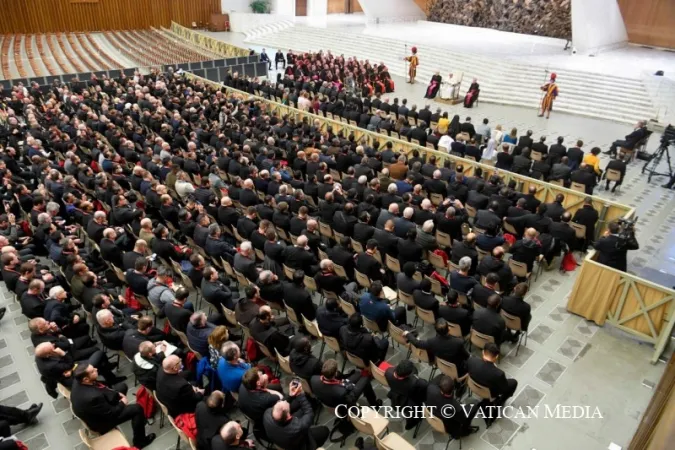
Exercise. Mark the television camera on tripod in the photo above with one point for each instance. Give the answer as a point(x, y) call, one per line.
point(652, 166)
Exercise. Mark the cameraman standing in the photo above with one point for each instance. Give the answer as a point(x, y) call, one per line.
point(614, 245)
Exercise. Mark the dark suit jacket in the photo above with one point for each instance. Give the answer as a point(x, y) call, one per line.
point(176, 393)
point(488, 321)
point(610, 255)
point(447, 348)
point(517, 306)
point(98, 406)
point(487, 374)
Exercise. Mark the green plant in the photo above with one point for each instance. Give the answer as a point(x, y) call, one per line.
point(260, 6)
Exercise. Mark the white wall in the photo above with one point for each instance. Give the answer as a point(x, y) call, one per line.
point(228, 6)
point(283, 7)
point(386, 10)
point(597, 25)
point(317, 8)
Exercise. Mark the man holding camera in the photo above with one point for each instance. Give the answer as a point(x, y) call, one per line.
point(614, 245)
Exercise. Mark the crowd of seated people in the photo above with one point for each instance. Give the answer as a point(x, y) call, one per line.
point(283, 192)
point(312, 76)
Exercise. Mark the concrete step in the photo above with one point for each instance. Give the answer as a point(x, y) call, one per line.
point(588, 94)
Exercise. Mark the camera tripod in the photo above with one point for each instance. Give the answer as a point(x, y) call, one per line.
point(651, 165)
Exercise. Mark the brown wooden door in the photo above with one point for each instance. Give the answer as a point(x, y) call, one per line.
point(300, 7)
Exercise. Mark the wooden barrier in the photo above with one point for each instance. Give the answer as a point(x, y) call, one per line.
point(208, 43)
point(635, 305)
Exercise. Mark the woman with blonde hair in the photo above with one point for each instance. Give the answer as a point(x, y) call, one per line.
point(512, 137)
point(217, 338)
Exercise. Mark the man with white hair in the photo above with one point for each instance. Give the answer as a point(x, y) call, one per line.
point(631, 140)
point(198, 331)
point(426, 212)
point(247, 196)
point(391, 196)
point(435, 185)
point(391, 213)
point(110, 331)
point(71, 324)
point(227, 213)
point(405, 223)
point(111, 247)
point(244, 262)
point(425, 236)
point(294, 431)
point(97, 225)
point(299, 256)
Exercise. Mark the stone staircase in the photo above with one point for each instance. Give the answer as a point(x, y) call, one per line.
point(502, 81)
point(264, 30)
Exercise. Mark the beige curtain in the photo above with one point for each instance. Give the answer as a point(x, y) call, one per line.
point(595, 290)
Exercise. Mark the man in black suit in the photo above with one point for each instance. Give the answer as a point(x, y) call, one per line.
point(587, 216)
point(504, 158)
point(556, 209)
point(299, 256)
point(406, 389)
point(481, 293)
point(521, 163)
point(356, 339)
point(440, 396)
point(456, 313)
point(173, 389)
point(586, 176)
point(488, 220)
point(613, 250)
point(467, 127)
point(488, 321)
point(210, 418)
point(560, 171)
point(563, 232)
point(367, 264)
point(495, 264)
point(330, 318)
point(294, 431)
point(631, 140)
point(531, 201)
point(619, 165)
point(451, 221)
point(575, 155)
point(332, 391)
point(526, 141)
point(33, 300)
point(477, 199)
point(176, 312)
point(467, 247)
point(516, 305)
point(425, 299)
point(557, 151)
point(484, 372)
point(103, 408)
point(540, 147)
point(264, 329)
point(255, 397)
point(298, 298)
point(387, 241)
point(215, 291)
point(444, 346)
